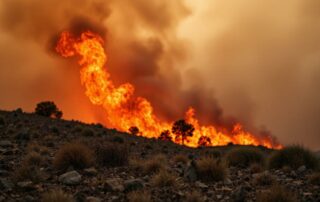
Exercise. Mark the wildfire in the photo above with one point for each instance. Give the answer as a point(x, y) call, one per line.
point(124, 110)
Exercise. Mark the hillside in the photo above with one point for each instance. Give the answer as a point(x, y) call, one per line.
point(41, 155)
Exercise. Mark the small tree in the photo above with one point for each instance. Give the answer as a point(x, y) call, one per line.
point(134, 130)
point(204, 141)
point(165, 135)
point(48, 109)
point(182, 130)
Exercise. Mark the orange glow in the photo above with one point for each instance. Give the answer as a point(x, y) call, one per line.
point(124, 110)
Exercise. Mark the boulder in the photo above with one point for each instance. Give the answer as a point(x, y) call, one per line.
point(114, 184)
point(70, 178)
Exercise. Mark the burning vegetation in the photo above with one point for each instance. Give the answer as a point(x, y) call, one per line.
point(128, 112)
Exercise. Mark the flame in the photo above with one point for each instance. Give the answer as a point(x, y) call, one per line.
point(124, 110)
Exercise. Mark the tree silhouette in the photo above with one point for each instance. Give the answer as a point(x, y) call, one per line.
point(134, 130)
point(182, 130)
point(165, 135)
point(48, 109)
point(204, 141)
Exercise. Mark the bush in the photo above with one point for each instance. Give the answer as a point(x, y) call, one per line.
point(264, 179)
point(74, 155)
point(208, 169)
point(27, 172)
point(48, 109)
point(315, 179)
point(294, 157)
point(180, 158)
point(149, 166)
point(163, 179)
point(134, 130)
point(33, 158)
point(244, 157)
point(112, 154)
point(194, 197)
point(276, 193)
point(139, 196)
point(56, 196)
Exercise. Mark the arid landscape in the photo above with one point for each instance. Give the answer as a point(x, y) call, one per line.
point(50, 159)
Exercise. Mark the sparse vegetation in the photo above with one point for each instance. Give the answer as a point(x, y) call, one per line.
point(151, 165)
point(244, 157)
point(163, 179)
point(277, 194)
point(180, 158)
point(48, 109)
point(74, 155)
point(182, 130)
point(294, 157)
point(139, 196)
point(194, 197)
point(112, 154)
point(209, 169)
point(56, 196)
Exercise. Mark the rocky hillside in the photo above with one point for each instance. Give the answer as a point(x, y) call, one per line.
point(46, 159)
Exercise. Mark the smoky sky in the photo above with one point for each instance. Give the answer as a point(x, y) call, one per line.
point(255, 62)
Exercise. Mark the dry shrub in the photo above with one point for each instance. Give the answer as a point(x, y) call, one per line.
point(35, 147)
point(163, 179)
point(154, 164)
point(209, 169)
point(112, 154)
point(139, 196)
point(29, 169)
point(56, 196)
point(74, 155)
point(265, 179)
point(294, 157)
point(315, 179)
point(277, 193)
point(194, 197)
point(244, 157)
point(33, 158)
point(180, 158)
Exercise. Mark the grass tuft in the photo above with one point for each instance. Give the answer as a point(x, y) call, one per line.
point(244, 157)
point(209, 169)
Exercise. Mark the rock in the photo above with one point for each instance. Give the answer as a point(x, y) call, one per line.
point(5, 143)
point(25, 185)
point(114, 184)
point(134, 184)
point(190, 172)
point(70, 178)
point(93, 199)
point(201, 185)
point(239, 195)
point(90, 171)
point(2, 198)
point(227, 181)
point(6, 184)
point(302, 169)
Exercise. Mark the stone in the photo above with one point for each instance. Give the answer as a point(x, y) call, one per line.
point(6, 184)
point(201, 185)
point(302, 169)
point(90, 171)
point(190, 172)
point(227, 181)
point(239, 195)
point(70, 178)
point(133, 184)
point(93, 199)
point(5, 143)
point(25, 185)
point(114, 184)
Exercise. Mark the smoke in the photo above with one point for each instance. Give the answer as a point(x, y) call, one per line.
point(258, 61)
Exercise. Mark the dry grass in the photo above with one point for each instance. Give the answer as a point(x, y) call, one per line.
point(33, 158)
point(315, 179)
point(139, 196)
point(244, 157)
point(208, 169)
point(294, 157)
point(74, 155)
point(35, 147)
point(194, 197)
point(112, 154)
point(265, 179)
point(56, 196)
point(180, 158)
point(149, 166)
point(277, 194)
point(163, 179)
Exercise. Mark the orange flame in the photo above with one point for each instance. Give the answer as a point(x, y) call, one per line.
point(124, 110)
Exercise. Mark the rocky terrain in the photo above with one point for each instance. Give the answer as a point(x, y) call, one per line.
point(38, 163)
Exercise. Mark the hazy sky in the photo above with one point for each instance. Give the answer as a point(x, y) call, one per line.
point(256, 61)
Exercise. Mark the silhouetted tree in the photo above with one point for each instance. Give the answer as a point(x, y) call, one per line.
point(134, 130)
point(182, 129)
point(165, 135)
point(48, 109)
point(204, 141)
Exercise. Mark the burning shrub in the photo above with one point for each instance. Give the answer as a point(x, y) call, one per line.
point(77, 155)
point(209, 169)
point(204, 141)
point(294, 157)
point(139, 196)
point(194, 197)
point(182, 130)
point(163, 179)
point(112, 154)
point(48, 109)
point(276, 193)
point(244, 157)
point(134, 130)
point(165, 135)
point(56, 196)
